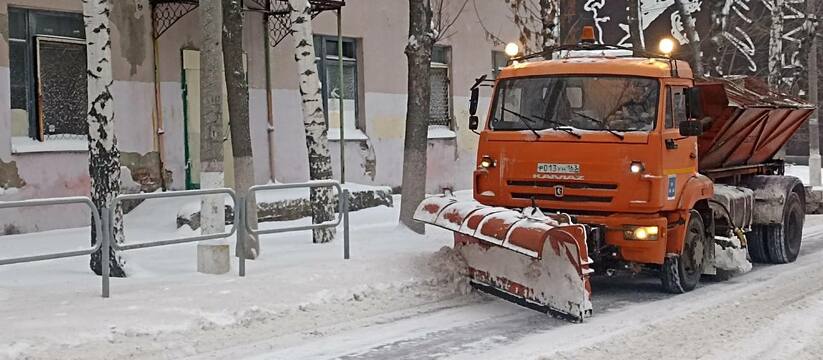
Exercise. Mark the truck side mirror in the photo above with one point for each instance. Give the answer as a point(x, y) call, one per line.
point(474, 122)
point(473, 101)
point(690, 128)
point(694, 103)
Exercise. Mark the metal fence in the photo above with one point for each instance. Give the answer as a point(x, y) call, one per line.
point(108, 239)
point(98, 227)
point(343, 215)
point(103, 222)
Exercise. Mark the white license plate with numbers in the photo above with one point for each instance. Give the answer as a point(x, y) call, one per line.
point(545, 168)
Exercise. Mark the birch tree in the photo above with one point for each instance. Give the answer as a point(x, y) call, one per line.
point(313, 118)
point(212, 208)
point(537, 23)
point(237, 91)
point(635, 29)
point(104, 156)
point(418, 52)
point(549, 21)
point(775, 43)
point(691, 34)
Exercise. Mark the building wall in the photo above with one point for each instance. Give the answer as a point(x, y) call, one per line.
point(381, 31)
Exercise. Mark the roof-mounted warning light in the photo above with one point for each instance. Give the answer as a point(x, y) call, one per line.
point(587, 36)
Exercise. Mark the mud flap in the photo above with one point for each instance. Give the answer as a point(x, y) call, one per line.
point(535, 260)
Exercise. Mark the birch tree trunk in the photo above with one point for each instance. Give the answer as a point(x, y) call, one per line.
point(212, 208)
point(418, 52)
point(776, 43)
point(237, 92)
point(104, 156)
point(635, 30)
point(313, 119)
point(691, 34)
point(549, 19)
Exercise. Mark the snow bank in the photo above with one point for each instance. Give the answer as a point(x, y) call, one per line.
point(165, 308)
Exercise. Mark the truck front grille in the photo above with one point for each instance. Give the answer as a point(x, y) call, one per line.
point(570, 185)
point(567, 198)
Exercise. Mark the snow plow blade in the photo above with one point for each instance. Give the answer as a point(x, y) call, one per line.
point(535, 260)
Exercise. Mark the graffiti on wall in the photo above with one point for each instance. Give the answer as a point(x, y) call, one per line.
point(734, 34)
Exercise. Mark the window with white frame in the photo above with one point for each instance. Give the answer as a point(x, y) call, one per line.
point(47, 60)
point(439, 105)
point(328, 64)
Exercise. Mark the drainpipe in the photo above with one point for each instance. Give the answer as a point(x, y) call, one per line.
point(269, 105)
point(158, 110)
point(340, 84)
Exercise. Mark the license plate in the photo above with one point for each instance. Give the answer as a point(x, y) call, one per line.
point(544, 168)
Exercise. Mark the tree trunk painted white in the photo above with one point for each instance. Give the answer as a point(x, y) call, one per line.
point(691, 34)
point(418, 52)
point(212, 208)
point(814, 120)
point(104, 156)
point(313, 119)
point(237, 91)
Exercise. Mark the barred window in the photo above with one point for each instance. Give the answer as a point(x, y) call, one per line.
point(47, 59)
point(328, 64)
point(439, 105)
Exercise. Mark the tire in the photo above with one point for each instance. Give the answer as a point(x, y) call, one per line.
point(681, 273)
point(784, 240)
point(757, 241)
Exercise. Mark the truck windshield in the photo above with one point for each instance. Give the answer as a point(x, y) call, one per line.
point(609, 103)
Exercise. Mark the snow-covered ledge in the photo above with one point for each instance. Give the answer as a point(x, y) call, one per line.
point(24, 145)
point(351, 134)
point(441, 132)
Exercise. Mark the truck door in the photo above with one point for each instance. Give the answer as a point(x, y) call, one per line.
point(679, 153)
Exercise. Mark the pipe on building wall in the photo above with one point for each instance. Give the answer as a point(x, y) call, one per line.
point(158, 110)
point(341, 111)
point(269, 104)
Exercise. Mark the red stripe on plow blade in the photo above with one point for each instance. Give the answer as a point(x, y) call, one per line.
point(532, 260)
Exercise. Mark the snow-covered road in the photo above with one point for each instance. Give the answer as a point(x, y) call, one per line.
point(774, 312)
point(395, 300)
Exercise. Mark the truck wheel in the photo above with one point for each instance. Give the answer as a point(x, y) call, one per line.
point(756, 244)
point(681, 273)
point(784, 239)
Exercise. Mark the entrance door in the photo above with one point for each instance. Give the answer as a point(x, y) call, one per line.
point(191, 99)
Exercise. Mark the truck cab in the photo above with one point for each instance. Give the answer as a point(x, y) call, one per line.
point(614, 141)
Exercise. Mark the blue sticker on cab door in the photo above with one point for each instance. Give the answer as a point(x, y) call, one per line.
point(672, 187)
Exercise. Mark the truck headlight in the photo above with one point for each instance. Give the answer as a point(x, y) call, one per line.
point(487, 162)
point(636, 167)
point(641, 232)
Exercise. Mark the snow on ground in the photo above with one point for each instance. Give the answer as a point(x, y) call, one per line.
point(799, 171)
point(399, 297)
point(167, 309)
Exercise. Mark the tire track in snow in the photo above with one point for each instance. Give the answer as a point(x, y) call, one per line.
point(507, 323)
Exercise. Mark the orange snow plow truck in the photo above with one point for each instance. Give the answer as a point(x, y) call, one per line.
point(595, 160)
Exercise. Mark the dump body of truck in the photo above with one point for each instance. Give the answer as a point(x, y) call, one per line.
point(607, 163)
point(749, 123)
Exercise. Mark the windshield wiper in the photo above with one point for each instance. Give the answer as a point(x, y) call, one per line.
point(561, 126)
point(615, 133)
point(523, 119)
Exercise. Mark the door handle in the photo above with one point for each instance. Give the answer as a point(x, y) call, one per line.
point(671, 144)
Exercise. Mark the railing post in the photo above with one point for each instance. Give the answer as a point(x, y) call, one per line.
point(105, 248)
point(240, 223)
point(345, 209)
